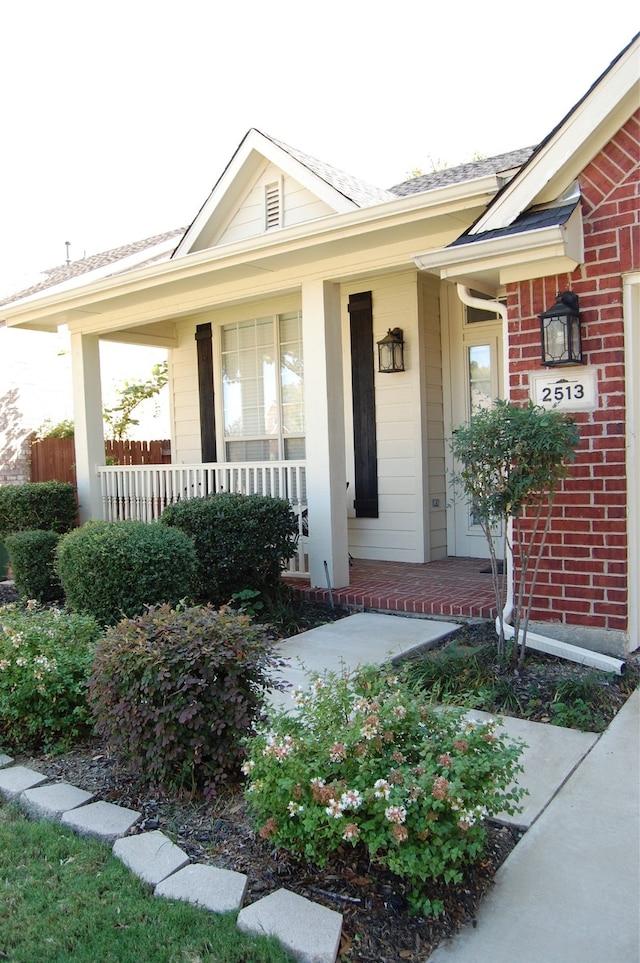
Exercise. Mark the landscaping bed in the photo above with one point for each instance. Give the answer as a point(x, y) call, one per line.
point(377, 924)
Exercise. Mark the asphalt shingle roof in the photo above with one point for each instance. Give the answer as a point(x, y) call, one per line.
point(115, 256)
point(529, 221)
point(356, 190)
point(463, 172)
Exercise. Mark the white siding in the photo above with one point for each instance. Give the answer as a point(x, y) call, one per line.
point(185, 415)
point(398, 532)
point(299, 205)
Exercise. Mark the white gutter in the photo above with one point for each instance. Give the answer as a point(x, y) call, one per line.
point(540, 643)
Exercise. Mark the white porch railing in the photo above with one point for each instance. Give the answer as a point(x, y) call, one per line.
point(142, 492)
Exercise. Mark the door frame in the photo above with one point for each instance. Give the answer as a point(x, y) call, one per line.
point(458, 335)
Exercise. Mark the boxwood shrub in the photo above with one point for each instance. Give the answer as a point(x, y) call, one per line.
point(114, 569)
point(175, 691)
point(32, 559)
point(242, 542)
point(50, 506)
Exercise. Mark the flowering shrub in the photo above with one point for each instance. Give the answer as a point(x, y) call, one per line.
point(45, 661)
point(363, 761)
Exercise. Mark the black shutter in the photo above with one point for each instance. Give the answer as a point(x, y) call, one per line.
point(364, 405)
point(205, 392)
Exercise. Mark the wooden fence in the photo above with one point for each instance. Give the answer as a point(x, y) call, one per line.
point(52, 459)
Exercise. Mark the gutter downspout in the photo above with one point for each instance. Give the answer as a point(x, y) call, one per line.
point(540, 643)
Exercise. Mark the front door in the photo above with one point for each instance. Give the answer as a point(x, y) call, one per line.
point(476, 381)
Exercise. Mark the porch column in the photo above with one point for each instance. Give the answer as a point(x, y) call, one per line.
point(325, 442)
point(88, 422)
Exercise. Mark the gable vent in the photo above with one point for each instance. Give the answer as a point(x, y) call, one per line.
point(272, 205)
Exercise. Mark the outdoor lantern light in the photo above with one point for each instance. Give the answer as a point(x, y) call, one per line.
point(560, 332)
point(391, 351)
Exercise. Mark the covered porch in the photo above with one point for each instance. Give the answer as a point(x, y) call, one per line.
point(450, 588)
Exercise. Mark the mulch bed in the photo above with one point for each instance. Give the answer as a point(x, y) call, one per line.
point(377, 927)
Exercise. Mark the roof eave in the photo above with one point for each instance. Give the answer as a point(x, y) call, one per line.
point(512, 257)
point(44, 313)
point(572, 144)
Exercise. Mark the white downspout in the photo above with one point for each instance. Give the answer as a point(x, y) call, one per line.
point(540, 643)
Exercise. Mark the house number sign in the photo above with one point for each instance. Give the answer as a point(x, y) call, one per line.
point(567, 391)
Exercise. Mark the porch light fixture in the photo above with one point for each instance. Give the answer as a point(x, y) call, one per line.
point(391, 351)
point(560, 332)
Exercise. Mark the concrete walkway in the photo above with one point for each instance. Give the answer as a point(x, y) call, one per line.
point(568, 893)
point(570, 890)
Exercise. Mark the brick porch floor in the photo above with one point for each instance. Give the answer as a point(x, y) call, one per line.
point(450, 587)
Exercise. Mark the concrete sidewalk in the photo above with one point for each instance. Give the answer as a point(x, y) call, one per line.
point(570, 890)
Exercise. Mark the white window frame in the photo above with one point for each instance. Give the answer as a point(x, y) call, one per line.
point(279, 437)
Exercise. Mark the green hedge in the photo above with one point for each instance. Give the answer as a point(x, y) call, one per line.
point(113, 570)
point(242, 542)
point(50, 506)
point(32, 558)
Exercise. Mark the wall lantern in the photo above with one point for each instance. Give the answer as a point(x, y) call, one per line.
point(560, 332)
point(391, 351)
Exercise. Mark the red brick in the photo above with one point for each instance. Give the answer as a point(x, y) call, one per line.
point(592, 621)
point(617, 596)
point(628, 204)
point(624, 160)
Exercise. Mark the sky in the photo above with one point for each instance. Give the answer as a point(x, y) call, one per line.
point(119, 117)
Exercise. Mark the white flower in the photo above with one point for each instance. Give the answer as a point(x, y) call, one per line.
point(247, 767)
point(334, 809)
point(294, 808)
point(396, 814)
point(399, 712)
point(351, 799)
point(381, 789)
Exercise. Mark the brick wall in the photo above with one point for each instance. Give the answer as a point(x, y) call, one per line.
point(583, 579)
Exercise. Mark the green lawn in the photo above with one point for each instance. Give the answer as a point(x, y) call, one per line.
point(64, 899)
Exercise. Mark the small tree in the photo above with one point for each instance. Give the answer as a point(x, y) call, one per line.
point(512, 458)
point(120, 418)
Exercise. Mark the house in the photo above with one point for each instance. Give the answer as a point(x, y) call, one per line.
point(274, 300)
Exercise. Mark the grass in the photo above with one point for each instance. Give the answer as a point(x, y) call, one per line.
point(64, 899)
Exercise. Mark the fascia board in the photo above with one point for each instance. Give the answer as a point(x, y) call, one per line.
point(454, 199)
point(588, 128)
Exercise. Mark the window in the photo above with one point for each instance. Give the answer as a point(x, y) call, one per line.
point(262, 378)
point(475, 315)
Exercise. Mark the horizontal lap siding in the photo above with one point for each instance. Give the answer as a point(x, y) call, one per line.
point(299, 205)
point(185, 415)
point(583, 579)
point(397, 533)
